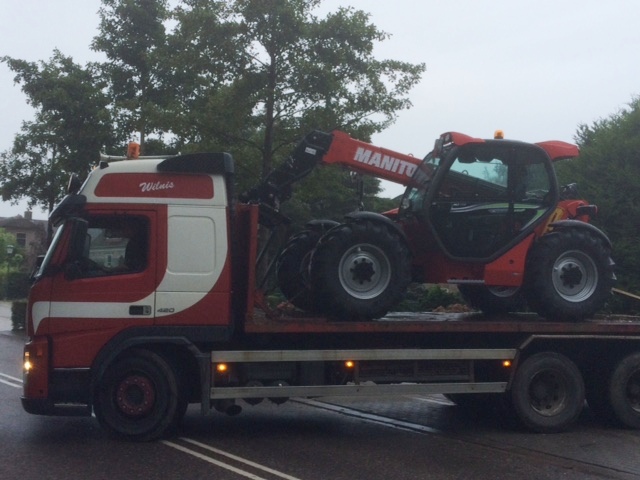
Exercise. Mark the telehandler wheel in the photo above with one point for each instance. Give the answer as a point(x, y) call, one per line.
point(624, 391)
point(569, 274)
point(137, 397)
point(548, 392)
point(493, 299)
point(359, 270)
point(292, 270)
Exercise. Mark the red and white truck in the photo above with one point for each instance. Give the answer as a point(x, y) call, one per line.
point(146, 301)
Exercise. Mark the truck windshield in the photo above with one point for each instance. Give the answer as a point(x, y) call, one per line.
point(52, 248)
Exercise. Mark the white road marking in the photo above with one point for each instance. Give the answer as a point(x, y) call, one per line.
point(11, 381)
point(221, 464)
point(437, 401)
point(389, 422)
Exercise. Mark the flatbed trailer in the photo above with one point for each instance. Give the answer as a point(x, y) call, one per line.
point(542, 369)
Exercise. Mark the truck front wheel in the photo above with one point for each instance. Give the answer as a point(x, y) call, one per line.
point(548, 392)
point(569, 275)
point(360, 269)
point(137, 397)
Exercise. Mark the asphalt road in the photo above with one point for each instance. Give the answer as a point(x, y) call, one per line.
point(399, 438)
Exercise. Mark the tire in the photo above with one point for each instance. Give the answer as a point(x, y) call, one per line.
point(183, 381)
point(359, 270)
point(569, 275)
point(493, 299)
point(624, 391)
point(292, 270)
point(137, 397)
point(548, 392)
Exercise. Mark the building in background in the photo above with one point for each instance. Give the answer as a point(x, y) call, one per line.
point(31, 236)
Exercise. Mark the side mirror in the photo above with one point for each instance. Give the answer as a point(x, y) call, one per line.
point(36, 268)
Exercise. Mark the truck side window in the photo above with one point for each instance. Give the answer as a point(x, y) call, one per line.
point(115, 246)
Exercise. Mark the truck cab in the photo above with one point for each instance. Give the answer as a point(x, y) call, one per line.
point(141, 246)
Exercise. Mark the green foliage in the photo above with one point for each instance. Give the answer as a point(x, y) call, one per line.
point(423, 298)
point(132, 36)
point(250, 77)
point(17, 285)
point(71, 126)
point(18, 315)
point(6, 239)
point(267, 72)
point(608, 175)
point(330, 193)
point(438, 297)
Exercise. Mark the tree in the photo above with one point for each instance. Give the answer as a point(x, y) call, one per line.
point(132, 35)
point(71, 126)
point(7, 239)
point(254, 76)
point(246, 76)
point(608, 174)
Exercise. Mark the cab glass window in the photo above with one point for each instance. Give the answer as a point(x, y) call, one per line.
point(115, 246)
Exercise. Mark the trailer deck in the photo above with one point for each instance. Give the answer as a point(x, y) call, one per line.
point(435, 322)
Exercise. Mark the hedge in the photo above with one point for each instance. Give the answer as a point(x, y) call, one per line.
point(18, 315)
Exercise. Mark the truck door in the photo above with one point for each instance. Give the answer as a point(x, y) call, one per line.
point(108, 280)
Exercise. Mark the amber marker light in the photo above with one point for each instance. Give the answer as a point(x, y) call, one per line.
point(222, 368)
point(28, 366)
point(133, 150)
point(349, 364)
point(506, 363)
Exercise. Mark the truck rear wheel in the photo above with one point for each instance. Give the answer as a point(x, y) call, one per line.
point(624, 391)
point(137, 398)
point(569, 275)
point(548, 392)
point(360, 270)
point(292, 269)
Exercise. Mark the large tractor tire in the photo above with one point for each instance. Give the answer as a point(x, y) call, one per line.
point(493, 299)
point(292, 270)
point(360, 269)
point(569, 274)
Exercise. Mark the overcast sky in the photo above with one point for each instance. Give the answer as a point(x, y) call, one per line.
point(535, 69)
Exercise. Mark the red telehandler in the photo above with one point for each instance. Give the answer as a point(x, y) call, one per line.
point(485, 215)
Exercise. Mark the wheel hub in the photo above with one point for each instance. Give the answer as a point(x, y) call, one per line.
point(135, 396)
point(547, 394)
point(571, 275)
point(575, 276)
point(365, 271)
point(362, 271)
